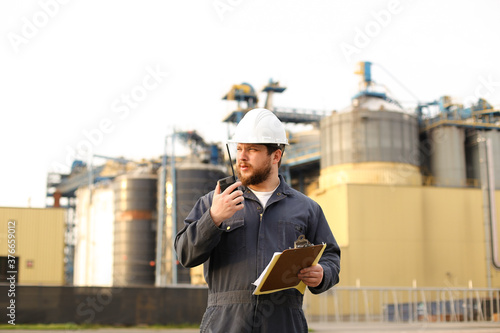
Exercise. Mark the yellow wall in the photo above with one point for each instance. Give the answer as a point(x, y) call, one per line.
point(392, 235)
point(39, 235)
point(334, 204)
point(387, 173)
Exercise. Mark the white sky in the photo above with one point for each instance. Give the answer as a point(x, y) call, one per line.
point(67, 65)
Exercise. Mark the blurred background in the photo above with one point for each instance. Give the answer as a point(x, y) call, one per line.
point(115, 117)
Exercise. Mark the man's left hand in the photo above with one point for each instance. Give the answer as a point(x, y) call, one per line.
point(312, 275)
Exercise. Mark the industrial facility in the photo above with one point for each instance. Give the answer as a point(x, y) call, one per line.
point(384, 175)
point(410, 195)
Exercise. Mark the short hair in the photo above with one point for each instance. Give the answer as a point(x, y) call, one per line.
point(271, 148)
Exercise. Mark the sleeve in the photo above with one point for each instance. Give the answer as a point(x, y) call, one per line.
point(195, 242)
point(330, 260)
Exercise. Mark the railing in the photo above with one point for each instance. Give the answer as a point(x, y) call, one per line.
point(433, 181)
point(302, 111)
point(373, 304)
point(299, 152)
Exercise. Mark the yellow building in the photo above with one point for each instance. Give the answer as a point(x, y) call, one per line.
point(392, 235)
point(39, 244)
point(393, 230)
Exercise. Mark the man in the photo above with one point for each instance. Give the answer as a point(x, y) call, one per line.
point(236, 232)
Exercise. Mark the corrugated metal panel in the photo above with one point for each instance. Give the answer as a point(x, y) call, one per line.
point(134, 229)
point(369, 136)
point(193, 181)
point(39, 243)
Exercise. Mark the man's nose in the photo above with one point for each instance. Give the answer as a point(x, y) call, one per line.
point(242, 155)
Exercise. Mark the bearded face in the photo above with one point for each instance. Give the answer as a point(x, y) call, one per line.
point(254, 175)
point(254, 164)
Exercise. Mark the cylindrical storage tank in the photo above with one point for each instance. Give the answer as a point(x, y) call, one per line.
point(93, 265)
point(472, 164)
point(447, 160)
point(135, 229)
point(494, 138)
point(372, 141)
point(193, 180)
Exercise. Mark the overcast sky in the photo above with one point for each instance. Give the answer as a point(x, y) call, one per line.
point(117, 76)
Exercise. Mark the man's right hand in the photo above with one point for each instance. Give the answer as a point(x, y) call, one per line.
point(225, 204)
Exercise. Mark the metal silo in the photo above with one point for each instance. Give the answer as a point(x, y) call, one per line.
point(93, 265)
point(193, 180)
point(447, 161)
point(371, 141)
point(472, 164)
point(494, 137)
point(135, 229)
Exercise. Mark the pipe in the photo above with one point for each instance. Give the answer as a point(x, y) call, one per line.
point(88, 259)
point(489, 207)
point(161, 220)
point(492, 204)
point(174, 210)
point(57, 197)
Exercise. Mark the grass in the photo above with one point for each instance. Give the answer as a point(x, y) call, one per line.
point(68, 326)
point(73, 326)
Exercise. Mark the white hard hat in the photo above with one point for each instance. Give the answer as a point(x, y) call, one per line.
point(260, 126)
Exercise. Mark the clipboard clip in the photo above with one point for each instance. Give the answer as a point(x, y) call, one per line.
point(301, 242)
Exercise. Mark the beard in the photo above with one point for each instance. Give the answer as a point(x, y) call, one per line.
point(256, 177)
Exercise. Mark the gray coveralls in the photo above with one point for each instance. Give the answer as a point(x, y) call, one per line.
point(236, 252)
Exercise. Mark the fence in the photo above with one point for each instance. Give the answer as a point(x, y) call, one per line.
point(127, 306)
point(177, 305)
point(371, 304)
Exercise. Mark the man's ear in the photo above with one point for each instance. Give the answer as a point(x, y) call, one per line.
point(277, 155)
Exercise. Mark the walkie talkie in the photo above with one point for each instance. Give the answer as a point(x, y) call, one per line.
point(228, 181)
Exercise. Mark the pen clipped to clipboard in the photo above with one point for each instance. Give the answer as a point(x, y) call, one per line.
point(281, 272)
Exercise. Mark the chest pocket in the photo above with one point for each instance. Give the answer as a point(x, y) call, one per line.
point(289, 232)
point(234, 237)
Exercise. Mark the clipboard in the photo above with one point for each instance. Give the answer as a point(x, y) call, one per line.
point(281, 272)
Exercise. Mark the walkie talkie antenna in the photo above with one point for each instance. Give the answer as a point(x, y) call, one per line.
point(228, 181)
point(230, 161)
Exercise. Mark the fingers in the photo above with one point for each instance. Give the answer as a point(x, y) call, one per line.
point(232, 192)
point(231, 187)
point(225, 204)
point(312, 276)
point(236, 196)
